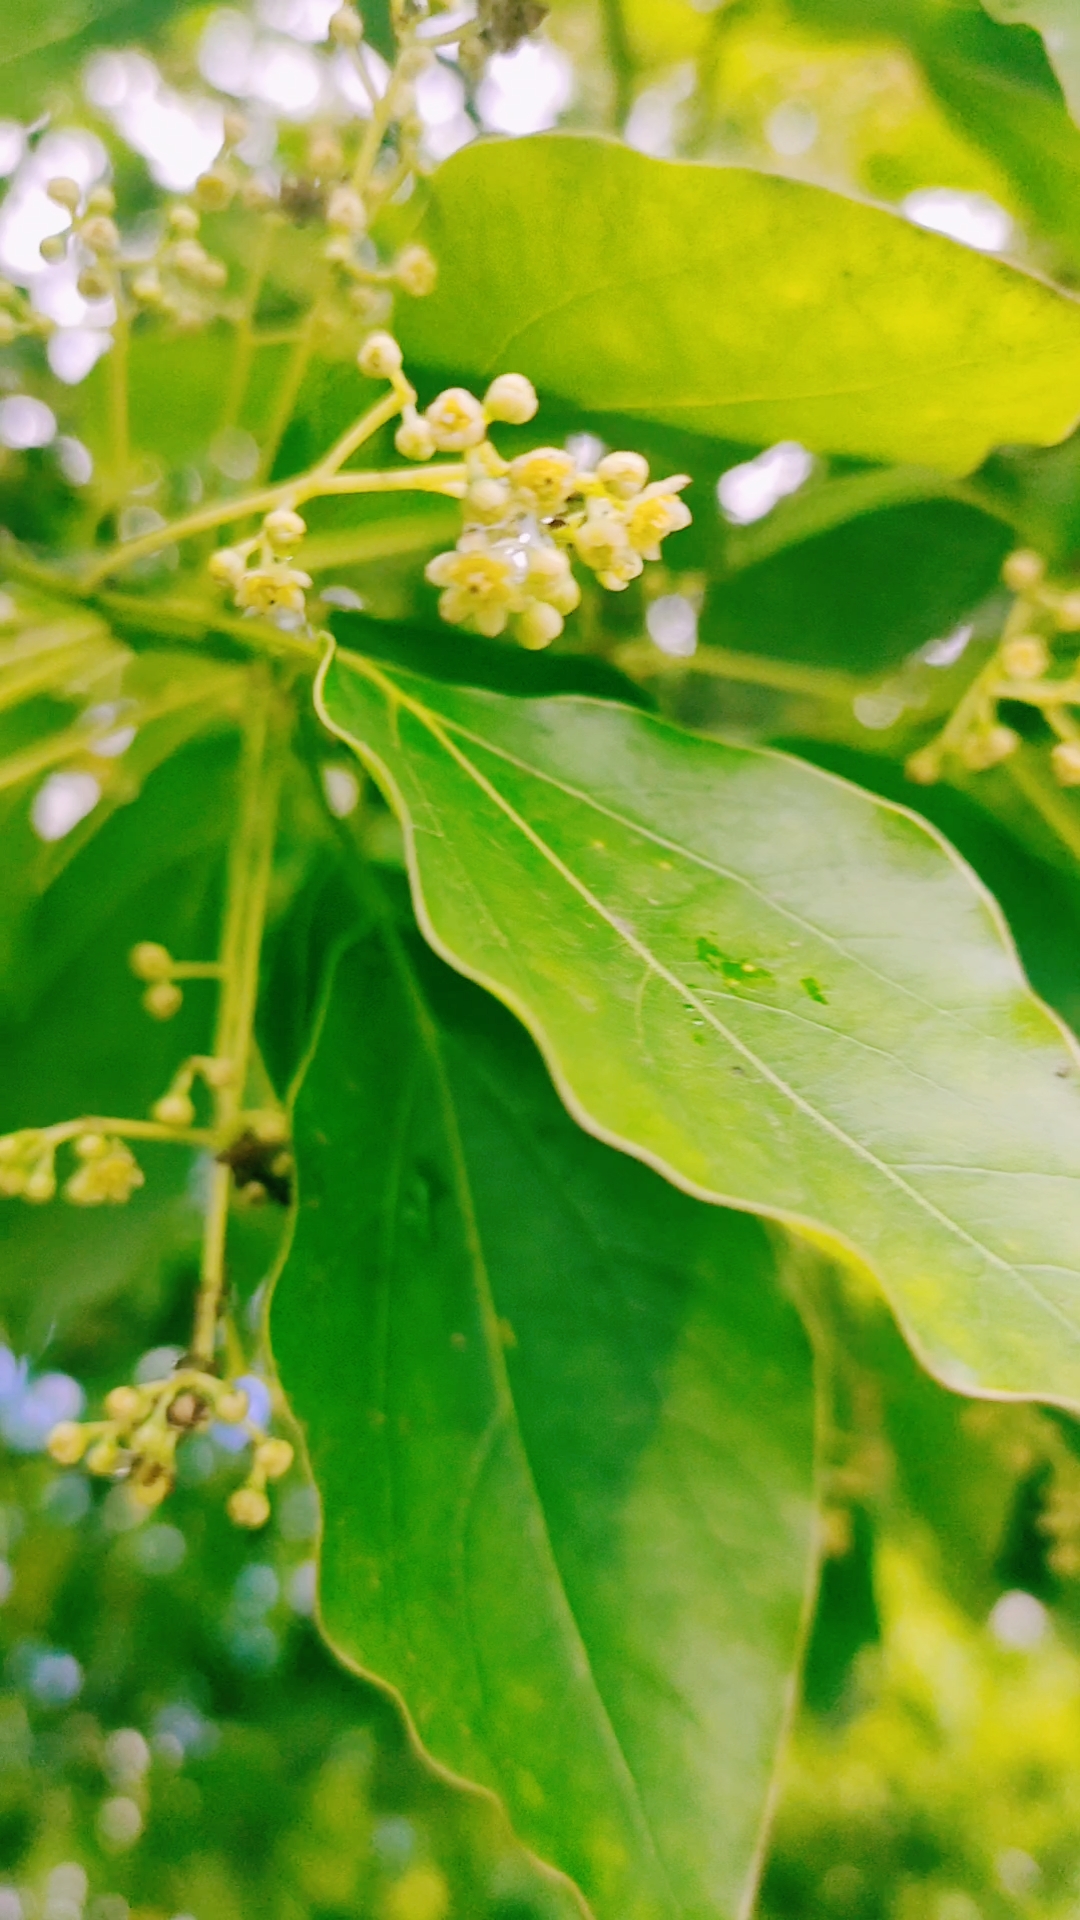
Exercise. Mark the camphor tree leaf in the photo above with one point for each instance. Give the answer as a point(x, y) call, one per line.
point(1059, 23)
point(561, 1421)
point(44, 43)
point(786, 994)
point(736, 303)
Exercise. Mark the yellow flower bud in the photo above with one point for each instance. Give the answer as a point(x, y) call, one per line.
point(346, 27)
point(1065, 760)
point(325, 156)
point(456, 419)
point(125, 1404)
point(91, 1146)
point(1067, 613)
point(247, 1507)
point(231, 1405)
point(623, 474)
point(66, 193)
point(54, 248)
point(150, 961)
point(67, 1443)
point(416, 272)
point(183, 220)
point(101, 200)
point(538, 625)
point(94, 284)
point(284, 529)
point(40, 1183)
point(1023, 570)
point(414, 439)
point(100, 234)
point(174, 1110)
point(104, 1457)
point(163, 999)
point(511, 398)
point(226, 566)
point(380, 357)
point(981, 751)
point(1026, 657)
point(346, 211)
point(214, 190)
point(274, 1457)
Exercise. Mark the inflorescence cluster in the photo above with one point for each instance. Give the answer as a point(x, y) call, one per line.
point(1024, 670)
point(525, 520)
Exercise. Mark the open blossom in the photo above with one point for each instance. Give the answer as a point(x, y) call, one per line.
point(108, 1175)
point(544, 479)
point(456, 419)
point(656, 512)
point(273, 589)
point(480, 588)
point(603, 544)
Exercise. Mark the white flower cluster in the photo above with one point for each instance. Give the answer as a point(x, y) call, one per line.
point(527, 518)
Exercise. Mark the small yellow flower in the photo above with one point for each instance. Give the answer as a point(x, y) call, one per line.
point(511, 398)
point(415, 271)
point(1065, 760)
point(479, 589)
point(601, 541)
point(538, 625)
point(380, 357)
point(656, 512)
point(544, 479)
point(414, 439)
point(550, 579)
point(108, 1178)
point(273, 589)
point(456, 419)
point(623, 474)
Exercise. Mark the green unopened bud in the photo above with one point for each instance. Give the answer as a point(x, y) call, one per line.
point(1026, 657)
point(149, 961)
point(54, 248)
point(981, 751)
point(104, 1457)
point(174, 1109)
point(100, 234)
point(231, 1405)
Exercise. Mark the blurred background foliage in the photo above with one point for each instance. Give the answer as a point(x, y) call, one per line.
point(174, 1739)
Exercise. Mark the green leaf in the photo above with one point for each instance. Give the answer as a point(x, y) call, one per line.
point(561, 1421)
point(784, 993)
point(41, 44)
point(736, 303)
point(1059, 23)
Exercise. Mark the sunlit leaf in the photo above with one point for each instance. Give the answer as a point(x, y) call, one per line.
point(781, 991)
point(737, 303)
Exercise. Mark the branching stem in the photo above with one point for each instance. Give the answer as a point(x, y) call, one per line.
point(247, 889)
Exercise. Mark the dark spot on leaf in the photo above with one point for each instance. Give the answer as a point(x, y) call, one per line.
point(735, 973)
point(811, 986)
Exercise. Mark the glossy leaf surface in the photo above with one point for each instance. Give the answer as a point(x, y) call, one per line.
point(783, 992)
point(564, 1445)
point(1059, 23)
point(737, 303)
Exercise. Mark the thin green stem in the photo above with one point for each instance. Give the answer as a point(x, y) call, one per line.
point(247, 889)
point(119, 421)
point(641, 660)
point(451, 480)
point(289, 389)
point(126, 1130)
point(246, 340)
point(621, 59)
point(377, 416)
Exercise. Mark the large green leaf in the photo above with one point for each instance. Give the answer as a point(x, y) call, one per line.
point(786, 994)
point(1059, 23)
point(561, 1420)
point(737, 303)
point(41, 44)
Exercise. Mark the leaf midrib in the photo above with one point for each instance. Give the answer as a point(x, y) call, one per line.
point(432, 724)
